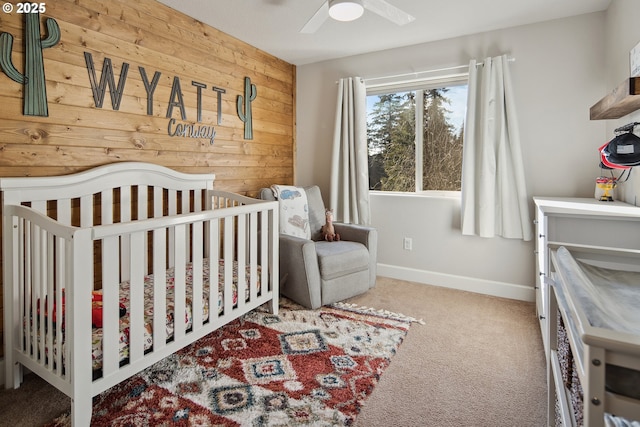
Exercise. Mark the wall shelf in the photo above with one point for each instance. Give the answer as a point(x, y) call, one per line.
point(623, 100)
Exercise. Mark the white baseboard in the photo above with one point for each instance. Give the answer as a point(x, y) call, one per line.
point(481, 286)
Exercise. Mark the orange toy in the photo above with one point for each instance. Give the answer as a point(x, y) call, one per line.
point(96, 309)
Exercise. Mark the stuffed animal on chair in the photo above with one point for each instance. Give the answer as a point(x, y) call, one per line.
point(328, 232)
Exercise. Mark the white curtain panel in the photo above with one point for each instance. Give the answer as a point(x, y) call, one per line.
point(350, 163)
point(494, 195)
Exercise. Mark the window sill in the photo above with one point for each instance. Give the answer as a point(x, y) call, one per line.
point(432, 194)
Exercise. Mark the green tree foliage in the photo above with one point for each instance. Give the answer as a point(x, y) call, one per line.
point(442, 148)
point(391, 139)
point(390, 131)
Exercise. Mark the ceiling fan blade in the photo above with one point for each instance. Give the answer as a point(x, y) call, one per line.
point(389, 11)
point(317, 19)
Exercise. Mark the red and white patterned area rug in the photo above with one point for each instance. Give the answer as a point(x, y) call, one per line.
point(301, 367)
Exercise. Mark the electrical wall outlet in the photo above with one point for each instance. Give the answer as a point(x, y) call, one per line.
point(407, 243)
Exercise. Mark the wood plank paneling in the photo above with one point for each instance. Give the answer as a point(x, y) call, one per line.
point(151, 38)
point(148, 35)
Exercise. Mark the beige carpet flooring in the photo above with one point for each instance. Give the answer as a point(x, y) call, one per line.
point(477, 361)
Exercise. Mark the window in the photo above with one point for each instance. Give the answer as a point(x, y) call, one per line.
point(415, 135)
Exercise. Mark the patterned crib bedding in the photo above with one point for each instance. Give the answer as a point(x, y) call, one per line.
point(148, 310)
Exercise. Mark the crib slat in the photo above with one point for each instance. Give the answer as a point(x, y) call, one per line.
point(185, 201)
point(157, 209)
point(197, 281)
point(228, 266)
point(37, 347)
point(172, 202)
point(68, 262)
point(253, 256)
point(157, 202)
point(125, 203)
point(27, 273)
point(185, 208)
point(172, 209)
point(242, 256)
point(125, 216)
point(36, 290)
point(274, 256)
point(143, 202)
point(64, 211)
point(214, 255)
point(136, 334)
point(159, 289)
point(197, 201)
point(40, 206)
point(64, 217)
point(106, 206)
point(52, 304)
point(40, 287)
point(265, 232)
point(143, 206)
point(29, 296)
point(86, 211)
point(61, 276)
point(180, 282)
point(110, 312)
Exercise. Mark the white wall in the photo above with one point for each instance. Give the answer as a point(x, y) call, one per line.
point(558, 74)
point(622, 34)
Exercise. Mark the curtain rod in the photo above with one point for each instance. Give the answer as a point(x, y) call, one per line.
point(415, 73)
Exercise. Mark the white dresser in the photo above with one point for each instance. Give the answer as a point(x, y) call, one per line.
point(609, 229)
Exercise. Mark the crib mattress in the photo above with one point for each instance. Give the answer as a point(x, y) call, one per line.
point(148, 310)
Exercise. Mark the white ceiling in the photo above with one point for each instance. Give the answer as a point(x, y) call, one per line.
point(273, 25)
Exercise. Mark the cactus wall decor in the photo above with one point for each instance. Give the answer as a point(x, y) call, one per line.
point(245, 101)
point(33, 79)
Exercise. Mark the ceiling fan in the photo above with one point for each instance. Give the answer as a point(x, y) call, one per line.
point(349, 10)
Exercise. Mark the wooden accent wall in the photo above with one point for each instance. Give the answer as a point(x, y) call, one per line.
point(147, 35)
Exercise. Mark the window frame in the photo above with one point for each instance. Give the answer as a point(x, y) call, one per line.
point(393, 85)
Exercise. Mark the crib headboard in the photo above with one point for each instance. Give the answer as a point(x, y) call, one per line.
point(106, 194)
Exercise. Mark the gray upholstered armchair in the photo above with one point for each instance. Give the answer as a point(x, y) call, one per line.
point(316, 272)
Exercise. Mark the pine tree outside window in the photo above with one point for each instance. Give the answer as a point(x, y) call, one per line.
point(415, 136)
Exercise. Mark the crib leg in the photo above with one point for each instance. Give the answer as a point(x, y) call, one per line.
point(81, 408)
point(12, 372)
point(18, 375)
point(273, 308)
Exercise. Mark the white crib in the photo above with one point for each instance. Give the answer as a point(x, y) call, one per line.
point(67, 236)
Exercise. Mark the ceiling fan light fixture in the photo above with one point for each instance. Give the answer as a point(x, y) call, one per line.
point(345, 10)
